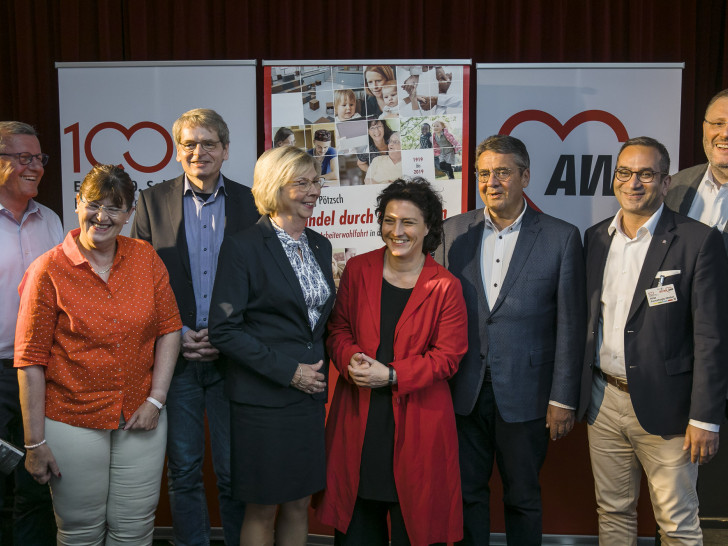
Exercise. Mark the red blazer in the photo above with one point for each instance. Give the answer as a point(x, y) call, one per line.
point(430, 339)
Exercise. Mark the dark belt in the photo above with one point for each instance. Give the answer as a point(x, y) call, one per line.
point(618, 382)
point(6, 362)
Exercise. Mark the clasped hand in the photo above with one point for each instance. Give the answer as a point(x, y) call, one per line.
point(308, 378)
point(197, 346)
point(365, 371)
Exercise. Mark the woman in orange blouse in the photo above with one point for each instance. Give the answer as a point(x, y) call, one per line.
point(96, 343)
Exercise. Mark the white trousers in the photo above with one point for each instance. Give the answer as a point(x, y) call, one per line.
point(109, 486)
point(620, 448)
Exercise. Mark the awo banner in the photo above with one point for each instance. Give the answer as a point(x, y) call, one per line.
point(368, 123)
point(573, 119)
point(122, 113)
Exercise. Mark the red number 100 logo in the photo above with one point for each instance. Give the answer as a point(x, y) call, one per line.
point(128, 133)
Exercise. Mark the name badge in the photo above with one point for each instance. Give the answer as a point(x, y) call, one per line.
point(661, 295)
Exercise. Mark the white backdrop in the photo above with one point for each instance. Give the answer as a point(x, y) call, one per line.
point(573, 119)
point(122, 113)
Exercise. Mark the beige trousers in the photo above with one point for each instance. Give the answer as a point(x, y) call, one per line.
point(109, 486)
point(619, 449)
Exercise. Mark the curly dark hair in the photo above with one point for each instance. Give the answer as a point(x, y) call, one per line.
point(419, 192)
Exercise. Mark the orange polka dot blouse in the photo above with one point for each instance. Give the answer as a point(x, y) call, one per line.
point(95, 338)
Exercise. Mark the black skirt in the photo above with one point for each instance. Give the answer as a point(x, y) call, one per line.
point(277, 454)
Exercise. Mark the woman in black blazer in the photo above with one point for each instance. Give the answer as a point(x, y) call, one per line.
point(273, 293)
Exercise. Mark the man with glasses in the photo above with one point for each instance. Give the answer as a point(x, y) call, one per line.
point(185, 219)
point(522, 274)
point(27, 230)
point(701, 192)
point(654, 377)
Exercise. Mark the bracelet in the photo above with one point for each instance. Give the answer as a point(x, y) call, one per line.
point(391, 376)
point(156, 403)
point(33, 446)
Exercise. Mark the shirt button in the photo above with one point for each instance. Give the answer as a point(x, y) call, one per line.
point(495, 284)
point(497, 261)
point(205, 296)
point(118, 344)
point(204, 272)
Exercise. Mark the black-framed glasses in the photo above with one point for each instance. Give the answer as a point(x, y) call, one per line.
point(719, 125)
point(305, 184)
point(207, 145)
point(94, 208)
point(24, 158)
point(501, 173)
point(623, 174)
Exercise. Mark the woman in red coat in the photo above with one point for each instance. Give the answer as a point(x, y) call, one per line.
point(396, 335)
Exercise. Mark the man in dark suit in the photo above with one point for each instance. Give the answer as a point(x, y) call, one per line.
point(185, 219)
point(701, 192)
point(522, 274)
point(655, 376)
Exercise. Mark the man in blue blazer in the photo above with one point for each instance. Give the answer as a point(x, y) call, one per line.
point(655, 374)
point(185, 219)
point(522, 274)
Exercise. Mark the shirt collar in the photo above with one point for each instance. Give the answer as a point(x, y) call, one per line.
point(513, 226)
point(72, 252)
point(187, 188)
point(648, 227)
point(32, 208)
point(709, 180)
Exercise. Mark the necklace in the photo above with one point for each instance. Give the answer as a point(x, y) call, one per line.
point(102, 271)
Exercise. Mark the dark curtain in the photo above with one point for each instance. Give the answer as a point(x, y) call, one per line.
point(36, 34)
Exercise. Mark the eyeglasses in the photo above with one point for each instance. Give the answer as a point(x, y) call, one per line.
point(624, 174)
point(95, 208)
point(501, 173)
point(207, 145)
point(306, 185)
point(25, 158)
point(719, 125)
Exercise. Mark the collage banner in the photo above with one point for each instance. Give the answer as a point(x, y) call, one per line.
point(368, 124)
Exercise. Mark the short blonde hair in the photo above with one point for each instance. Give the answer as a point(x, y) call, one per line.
point(202, 117)
point(274, 169)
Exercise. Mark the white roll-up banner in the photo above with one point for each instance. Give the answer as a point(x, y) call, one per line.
point(573, 119)
point(122, 113)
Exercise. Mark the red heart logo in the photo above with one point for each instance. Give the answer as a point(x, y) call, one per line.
point(563, 130)
point(128, 133)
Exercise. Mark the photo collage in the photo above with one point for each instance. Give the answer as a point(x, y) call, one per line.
point(372, 124)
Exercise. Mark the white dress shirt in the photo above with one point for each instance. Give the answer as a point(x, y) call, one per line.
point(21, 243)
point(497, 251)
point(621, 273)
point(710, 205)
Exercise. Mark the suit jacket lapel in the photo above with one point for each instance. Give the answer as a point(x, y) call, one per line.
point(526, 239)
point(175, 209)
point(660, 244)
point(472, 268)
point(281, 260)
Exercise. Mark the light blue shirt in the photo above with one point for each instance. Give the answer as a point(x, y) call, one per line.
point(204, 230)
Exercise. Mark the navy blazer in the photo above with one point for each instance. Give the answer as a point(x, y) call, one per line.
point(532, 337)
point(676, 354)
point(259, 319)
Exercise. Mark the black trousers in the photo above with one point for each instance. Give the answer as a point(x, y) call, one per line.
point(520, 450)
point(368, 526)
